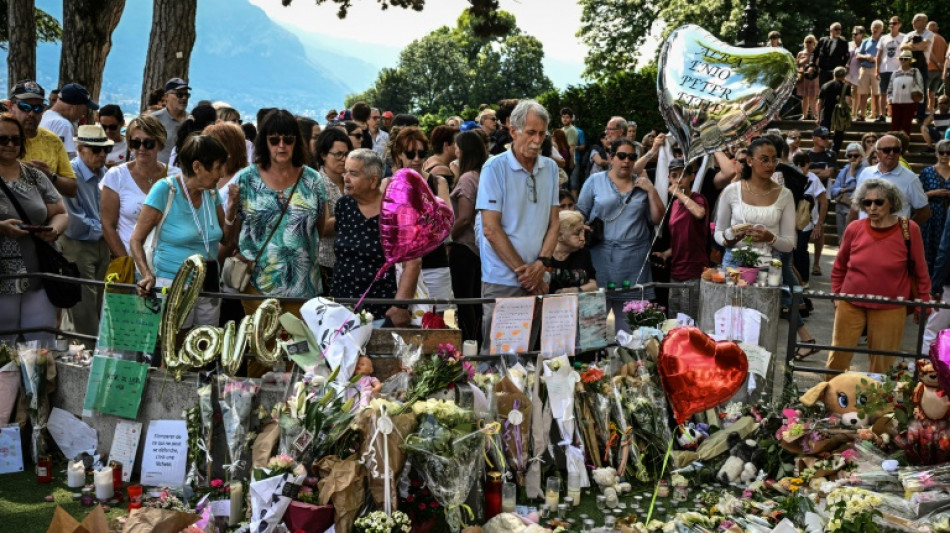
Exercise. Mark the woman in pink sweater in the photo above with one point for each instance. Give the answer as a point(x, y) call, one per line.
point(875, 258)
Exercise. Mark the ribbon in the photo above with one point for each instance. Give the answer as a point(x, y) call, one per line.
point(234, 467)
point(625, 449)
point(204, 447)
point(384, 426)
point(614, 438)
point(656, 489)
point(513, 433)
point(491, 430)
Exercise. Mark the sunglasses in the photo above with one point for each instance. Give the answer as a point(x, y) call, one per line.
point(740, 161)
point(339, 155)
point(943, 152)
point(854, 156)
point(288, 140)
point(357, 136)
point(28, 108)
point(149, 144)
point(893, 23)
point(99, 149)
point(878, 202)
point(890, 149)
point(10, 140)
point(110, 127)
point(624, 155)
point(412, 154)
point(182, 95)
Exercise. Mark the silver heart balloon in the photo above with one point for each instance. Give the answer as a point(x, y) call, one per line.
point(713, 94)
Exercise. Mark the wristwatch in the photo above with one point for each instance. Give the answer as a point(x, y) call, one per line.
point(53, 177)
point(546, 261)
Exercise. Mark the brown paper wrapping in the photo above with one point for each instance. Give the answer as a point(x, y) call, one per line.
point(342, 482)
point(403, 426)
point(150, 520)
point(506, 394)
point(63, 522)
point(264, 444)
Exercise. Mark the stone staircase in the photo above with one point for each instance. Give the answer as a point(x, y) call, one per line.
point(916, 157)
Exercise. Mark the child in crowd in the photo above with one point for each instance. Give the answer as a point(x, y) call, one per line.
point(571, 267)
point(815, 194)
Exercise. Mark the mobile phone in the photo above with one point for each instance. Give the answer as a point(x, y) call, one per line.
point(35, 229)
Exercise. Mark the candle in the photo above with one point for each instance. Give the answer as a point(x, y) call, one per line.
point(104, 484)
point(237, 503)
point(470, 348)
point(551, 492)
point(75, 474)
point(574, 487)
point(493, 495)
point(509, 492)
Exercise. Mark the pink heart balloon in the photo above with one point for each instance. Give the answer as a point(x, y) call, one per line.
point(412, 221)
point(940, 357)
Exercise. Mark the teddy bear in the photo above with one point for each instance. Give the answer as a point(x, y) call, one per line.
point(741, 465)
point(841, 398)
point(931, 401)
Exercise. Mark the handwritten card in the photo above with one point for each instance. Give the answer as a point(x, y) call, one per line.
point(129, 322)
point(125, 444)
point(511, 325)
point(115, 387)
point(72, 435)
point(558, 325)
point(592, 320)
point(11, 449)
point(166, 454)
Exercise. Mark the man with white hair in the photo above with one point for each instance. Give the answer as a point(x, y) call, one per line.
point(600, 156)
point(920, 42)
point(517, 192)
point(916, 205)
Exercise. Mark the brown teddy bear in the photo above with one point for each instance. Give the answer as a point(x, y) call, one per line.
point(932, 403)
point(839, 395)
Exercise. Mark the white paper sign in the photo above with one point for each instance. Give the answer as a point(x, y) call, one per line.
point(740, 324)
point(165, 456)
point(511, 325)
point(221, 508)
point(72, 435)
point(558, 325)
point(758, 358)
point(124, 445)
point(11, 449)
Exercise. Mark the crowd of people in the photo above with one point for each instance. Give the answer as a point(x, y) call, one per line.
point(289, 207)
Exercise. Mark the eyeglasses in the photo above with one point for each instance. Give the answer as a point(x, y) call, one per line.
point(836, 29)
point(149, 144)
point(890, 149)
point(906, 59)
point(495, 119)
point(96, 150)
point(31, 108)
point(943, 152)
point(877, 201)
point(794, 138)
point(110, 127)
point(893, 23)
point(766, 160)
point(412, 154)
point(288, 140)
point(357, 136)
point(854, 156)
point(339, 155)
point(532, 190)
point(10, 140)
point(183, 95)
point(624, 155)
point(870, 140)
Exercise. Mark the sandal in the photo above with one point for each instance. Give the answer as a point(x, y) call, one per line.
point(800, 355)
point(816, 270)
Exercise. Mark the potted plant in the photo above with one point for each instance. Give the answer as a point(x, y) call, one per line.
point(747, 257)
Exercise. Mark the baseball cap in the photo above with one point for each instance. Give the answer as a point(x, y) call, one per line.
point(26, 89)
point(820, 131)
point(388, 114)
point(176, 83)
point(677, 163)
point(75, 94)
point(468, 125)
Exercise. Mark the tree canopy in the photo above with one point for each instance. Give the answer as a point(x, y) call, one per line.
point(48, 29)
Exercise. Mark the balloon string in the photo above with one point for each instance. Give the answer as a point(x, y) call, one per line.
point(356, 307)
point(656, 489)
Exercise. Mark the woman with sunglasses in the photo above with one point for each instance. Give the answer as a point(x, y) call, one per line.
point(277, 212)
point(355, 133)
point(868, 140)
point(904, 83)
point(409, 150)
point(111, 119)
point(332, 147)
point(873, 258)
point(627, 207)
point(936, 182)
point(794, 141)
point(124, 187)
point(844, 185)
point(442, 140)
point(22, 302)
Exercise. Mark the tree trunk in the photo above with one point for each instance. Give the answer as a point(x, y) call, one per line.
point(21, 30)
point(87, 39)
point(169, 44)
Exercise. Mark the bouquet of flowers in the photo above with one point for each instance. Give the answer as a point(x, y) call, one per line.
point(593, 407)
point(853, 510)
point(342, 334)
point(644, 313)
point(923, 479)
point(409, 355)
point(378, 448)
point(33, 362)
point(380, 522)
point(514, 413)
point(445, 449)
point(235, 398)
point(273, 489)
point(439, 371)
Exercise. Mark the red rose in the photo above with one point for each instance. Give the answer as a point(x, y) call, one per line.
point(410, 498)
point(434, 505)
point(422, 507)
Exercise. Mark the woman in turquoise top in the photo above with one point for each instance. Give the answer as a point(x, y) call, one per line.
point(193, 224)
point(288, 265)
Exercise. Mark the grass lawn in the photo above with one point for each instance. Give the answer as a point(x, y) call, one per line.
point(24, 510)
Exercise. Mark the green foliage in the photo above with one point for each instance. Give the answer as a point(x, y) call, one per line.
point(48, 29)
point(893, 395)
point(613, 31)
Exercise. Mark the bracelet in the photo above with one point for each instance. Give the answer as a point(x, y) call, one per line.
point(229, 221)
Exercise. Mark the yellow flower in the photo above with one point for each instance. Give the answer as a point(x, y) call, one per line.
point(794, 488)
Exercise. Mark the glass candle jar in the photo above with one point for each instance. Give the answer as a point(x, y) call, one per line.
point(116, 475)
point(87, 500)
point(562, 511)
point(492, 495)
point(44, 469)
point(601, 502)
point(509, 494)
point(551, 492)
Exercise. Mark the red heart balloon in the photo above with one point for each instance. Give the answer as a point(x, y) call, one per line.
point(697, 372)
point(412, 220)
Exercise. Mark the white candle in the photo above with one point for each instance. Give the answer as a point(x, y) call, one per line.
point(104, 487)
point(470, 348)
point(75, 474)
point(237, 503)
point(551, 498)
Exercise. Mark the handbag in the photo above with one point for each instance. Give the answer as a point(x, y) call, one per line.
point(151, 241)
point(236, 273)
point(62, 294)
point(911, 266)
point(123, 268)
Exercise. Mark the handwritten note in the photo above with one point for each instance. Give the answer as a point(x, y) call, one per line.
point(72, 435)
point(125, 444)
point(592, 320)
point(558, 325)
point(115, 387)
point(166, 453)
point(511, 325)
point(129, 322)
point(11, 449)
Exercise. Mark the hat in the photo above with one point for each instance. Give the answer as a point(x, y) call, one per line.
point(92, 135)
point(176, 83)
point(28, 89)
point(75, 94)
point(346, 114)
point(820, 131)
point(906, 54)
point(677, 163)
point(388, 114)
point(468, 125)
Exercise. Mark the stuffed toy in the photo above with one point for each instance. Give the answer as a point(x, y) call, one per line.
point(932, 403)
point(692, 435)
point(741, 465)
point(840, 398)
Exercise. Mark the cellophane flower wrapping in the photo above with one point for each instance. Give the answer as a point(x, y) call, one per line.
point(290, 414)
point(514, 414)
point(374, 447)
point(437, 372)
point(271, 496)
point(924, 479)
point(33, 362)
point(445, 449)
point(409, 354)
point(926, 442)
point(235, 398)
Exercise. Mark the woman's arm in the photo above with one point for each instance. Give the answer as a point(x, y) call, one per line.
point(787, 236)
point(840, 180)
point(109, 215)
point(465, 217)
point(405, 290)
point(724, 219)
point(148, 219)
point(232, 219)
point(442, 190)
point(57, 218)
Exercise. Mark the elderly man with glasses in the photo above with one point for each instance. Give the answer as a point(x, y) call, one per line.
point(831, 52)
point(44, 149)
point(916, 206)
point(177, 93)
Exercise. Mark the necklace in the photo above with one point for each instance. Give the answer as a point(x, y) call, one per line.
point(205, 211)
point(749, 190)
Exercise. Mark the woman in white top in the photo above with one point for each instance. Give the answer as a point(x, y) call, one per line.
point(756, 208)
point(125, 186)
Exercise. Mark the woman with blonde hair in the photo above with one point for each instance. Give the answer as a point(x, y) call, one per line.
point(807, 86)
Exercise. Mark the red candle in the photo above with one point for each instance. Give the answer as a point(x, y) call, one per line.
point(492, 495)
point(44, 469)
point(116, 475)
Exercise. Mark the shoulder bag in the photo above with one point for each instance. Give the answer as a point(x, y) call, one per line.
point(151, 242)
point(62, 294)
point(911, 266)
point(236, 273)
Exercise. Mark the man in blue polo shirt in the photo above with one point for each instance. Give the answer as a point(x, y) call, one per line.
point(517, 223)
point(916, 205)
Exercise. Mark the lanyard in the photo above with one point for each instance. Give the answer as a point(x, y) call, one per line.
point(205, 235)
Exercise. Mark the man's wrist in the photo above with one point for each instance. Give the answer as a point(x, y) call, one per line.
point(53, 177)
point(546, 261)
